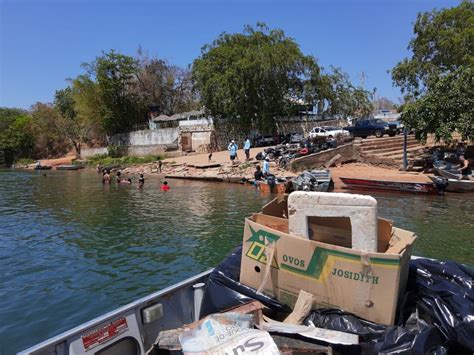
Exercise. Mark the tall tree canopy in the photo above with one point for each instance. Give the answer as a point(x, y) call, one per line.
point(261, 74)
point(437, 80)
point(16, 134)
point(251, 76)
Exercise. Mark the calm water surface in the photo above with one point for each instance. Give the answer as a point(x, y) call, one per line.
point(72, 249)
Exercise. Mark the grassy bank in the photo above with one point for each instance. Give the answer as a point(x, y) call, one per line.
point(105, 160)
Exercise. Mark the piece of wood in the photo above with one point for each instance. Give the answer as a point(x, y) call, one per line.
point(332, 161)
point(289, 345)
point(303, 306)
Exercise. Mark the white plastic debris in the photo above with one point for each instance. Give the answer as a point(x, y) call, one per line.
point(362, 211)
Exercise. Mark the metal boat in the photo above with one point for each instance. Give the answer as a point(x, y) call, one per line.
point(69, 167)
point(456, 185)
point(130, 329)
point(313, 180)
point(399, 186)
point(446, 170)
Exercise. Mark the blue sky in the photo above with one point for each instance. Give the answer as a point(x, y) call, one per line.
point(43, 42)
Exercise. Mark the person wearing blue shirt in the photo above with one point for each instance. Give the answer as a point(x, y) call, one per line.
point(247, 149)
point(266, 167)
point(232, 148)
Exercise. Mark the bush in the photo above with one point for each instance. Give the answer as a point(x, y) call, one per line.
point(105, 160)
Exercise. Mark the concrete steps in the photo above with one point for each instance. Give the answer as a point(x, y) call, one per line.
point(389, 150)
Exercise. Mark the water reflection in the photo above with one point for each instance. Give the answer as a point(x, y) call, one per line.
point(72, 249)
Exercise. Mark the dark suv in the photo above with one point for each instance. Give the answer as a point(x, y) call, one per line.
point(372, 126)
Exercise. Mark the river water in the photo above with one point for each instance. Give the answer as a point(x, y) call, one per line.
point(72, 249)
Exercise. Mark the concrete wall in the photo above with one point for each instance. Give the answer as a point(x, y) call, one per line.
point(142, 150)
point(146, 137)
point(89, 152)
point(304, 126)
point(317, 160)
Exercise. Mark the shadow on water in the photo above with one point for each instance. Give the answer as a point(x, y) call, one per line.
point(72, 249)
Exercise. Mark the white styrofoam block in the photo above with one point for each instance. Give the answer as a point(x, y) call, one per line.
point(362, 211)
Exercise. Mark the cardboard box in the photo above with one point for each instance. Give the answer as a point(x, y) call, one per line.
point(367, 284)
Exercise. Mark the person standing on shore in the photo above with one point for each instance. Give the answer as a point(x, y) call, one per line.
point(160, 165)
point(266, 167)
point(232, 148)
point(247, 149)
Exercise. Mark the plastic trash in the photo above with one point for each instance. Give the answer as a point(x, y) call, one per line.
point(436, 314)
point(224, 291)
point(227, 333)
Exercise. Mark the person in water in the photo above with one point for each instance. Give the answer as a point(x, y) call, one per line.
point(141, 181)
point(117, 177)
point(164, 185)
point(464, 168)
point(258, 174)
point(106, 177)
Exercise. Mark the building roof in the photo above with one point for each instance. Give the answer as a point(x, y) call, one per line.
point(179, 116)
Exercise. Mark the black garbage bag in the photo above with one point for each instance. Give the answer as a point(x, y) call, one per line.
point(436, 314)
point(445, 297)
point(223, 289)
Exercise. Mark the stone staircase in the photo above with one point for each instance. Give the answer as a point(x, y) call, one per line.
point(389, 151)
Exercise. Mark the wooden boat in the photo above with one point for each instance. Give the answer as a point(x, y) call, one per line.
point(314, 180)
point(399, 186)
point(69, 167)
point(43, 167)
point(455, 185)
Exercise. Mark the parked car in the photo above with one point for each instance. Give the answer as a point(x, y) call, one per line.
point(296, 137)
point(329, 132)
point(264, 140)
point(370, 126)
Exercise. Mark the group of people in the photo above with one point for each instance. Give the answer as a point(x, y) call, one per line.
point(107, 179)
point(233, 148)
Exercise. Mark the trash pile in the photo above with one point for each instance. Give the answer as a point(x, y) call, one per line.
point(313, 276)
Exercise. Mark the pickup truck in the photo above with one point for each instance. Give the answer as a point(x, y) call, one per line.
point(329, 132)
point(372, 126)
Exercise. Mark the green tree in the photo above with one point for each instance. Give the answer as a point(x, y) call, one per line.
point(16, 135)
point(333, 94)
point(437, 80)
point(251, 77)
point(115, 75)
point(164, 85)
point(49, 140)
point(72, 125)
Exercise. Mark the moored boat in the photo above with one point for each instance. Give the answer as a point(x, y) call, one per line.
point(69, 167)
point(43, 167)
point(398, 186)
point(456, 185)
point(314, 180)
point(446, 170)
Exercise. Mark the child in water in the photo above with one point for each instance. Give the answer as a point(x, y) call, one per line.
point(141, 181)
point(164, 185)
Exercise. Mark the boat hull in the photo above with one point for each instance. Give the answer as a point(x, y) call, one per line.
point(455, 185)
point(397, 186)
point(45, 167)
point(69, 167)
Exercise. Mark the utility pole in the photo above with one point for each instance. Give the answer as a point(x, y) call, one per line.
point(405, 160)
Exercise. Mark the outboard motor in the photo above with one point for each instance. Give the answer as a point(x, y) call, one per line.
point(441, 183)
point(271, 181)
